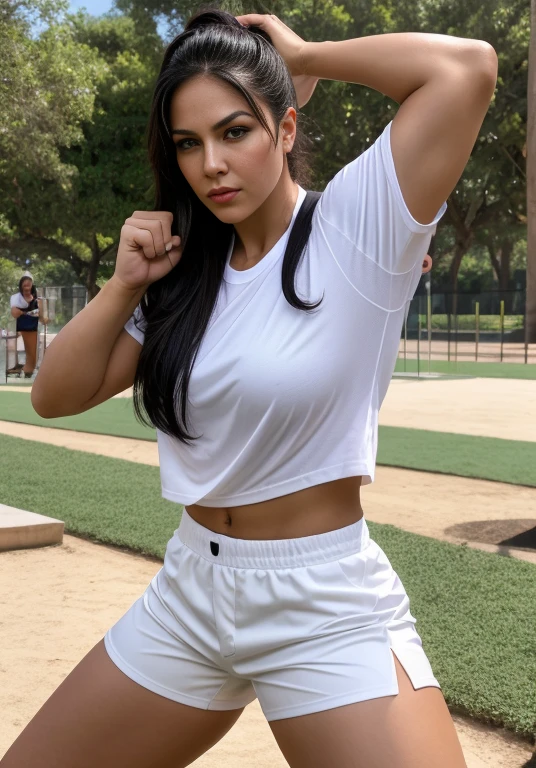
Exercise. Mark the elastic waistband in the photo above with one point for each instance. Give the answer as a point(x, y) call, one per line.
point(278, 553)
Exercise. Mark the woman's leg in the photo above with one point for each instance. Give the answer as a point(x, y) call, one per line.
point(413, 729)
point(100, 717)
point(30, 347)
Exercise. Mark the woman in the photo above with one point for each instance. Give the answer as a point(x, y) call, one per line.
point(24, 307)
point(264, 374)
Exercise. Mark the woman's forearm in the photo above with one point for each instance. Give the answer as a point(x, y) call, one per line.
point(75, 363)
point(395, 64)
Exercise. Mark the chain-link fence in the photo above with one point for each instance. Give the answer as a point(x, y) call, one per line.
point(452, 328)
point(440, 328)
point(59, 303)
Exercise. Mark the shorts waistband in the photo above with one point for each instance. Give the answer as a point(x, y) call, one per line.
point(273, 553)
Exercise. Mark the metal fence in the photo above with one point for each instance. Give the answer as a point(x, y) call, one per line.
point(61, 304)
point(441, 329)
point(449, 328)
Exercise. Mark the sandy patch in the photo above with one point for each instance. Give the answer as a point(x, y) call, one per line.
point(140, 451)
point(62, 600)
point(503, 408)
point(464, 351)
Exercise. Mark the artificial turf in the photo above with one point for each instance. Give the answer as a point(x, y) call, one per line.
point(475, 611)
point(468, 368)
point(487, 458)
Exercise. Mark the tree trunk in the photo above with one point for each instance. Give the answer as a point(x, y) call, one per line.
point(461, 248)
point(531, 183)
point(500, 261)
point(91, 278)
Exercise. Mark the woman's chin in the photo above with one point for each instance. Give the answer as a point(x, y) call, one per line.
point(229, 216)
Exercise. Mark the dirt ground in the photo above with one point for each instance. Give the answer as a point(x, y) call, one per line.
point(486, 407)
point(466, 351)
point(75, 591)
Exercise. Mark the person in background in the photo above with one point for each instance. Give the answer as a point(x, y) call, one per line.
point(25, 308)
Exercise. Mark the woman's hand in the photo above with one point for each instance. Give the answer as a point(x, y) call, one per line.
point(147, 251)
point(292, 49)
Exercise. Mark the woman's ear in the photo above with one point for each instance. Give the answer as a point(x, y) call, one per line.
point(288, 129)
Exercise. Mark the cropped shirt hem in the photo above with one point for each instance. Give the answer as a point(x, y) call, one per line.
point(293, 484)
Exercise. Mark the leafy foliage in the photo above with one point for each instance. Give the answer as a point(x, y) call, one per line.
point(73, 162)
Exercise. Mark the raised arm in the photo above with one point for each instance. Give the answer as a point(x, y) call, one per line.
point(444, 85)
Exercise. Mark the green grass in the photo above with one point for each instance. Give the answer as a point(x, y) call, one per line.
point(467, 368)
point(487, 458)
point(114, 417)
point(475, 611)
point(468, 322)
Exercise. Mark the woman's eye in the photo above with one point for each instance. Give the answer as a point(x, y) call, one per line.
point(243, 131)
point(184, 144)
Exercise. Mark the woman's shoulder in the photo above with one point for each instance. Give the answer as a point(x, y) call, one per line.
point(18, 300)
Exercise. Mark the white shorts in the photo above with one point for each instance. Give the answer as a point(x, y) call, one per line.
point(303, 625)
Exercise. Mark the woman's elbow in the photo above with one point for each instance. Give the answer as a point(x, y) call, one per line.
point(39, 402)
point(38, 406)
point(484, 60)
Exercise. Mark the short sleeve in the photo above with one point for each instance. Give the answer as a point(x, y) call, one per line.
point(136, 325)
point(368, 228)
point(17, 301)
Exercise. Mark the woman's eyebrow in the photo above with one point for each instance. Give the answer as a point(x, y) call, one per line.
point(215, 127)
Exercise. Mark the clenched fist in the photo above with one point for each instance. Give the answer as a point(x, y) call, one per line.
point(147, 251)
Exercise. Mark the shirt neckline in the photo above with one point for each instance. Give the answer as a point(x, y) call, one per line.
point(231, 275)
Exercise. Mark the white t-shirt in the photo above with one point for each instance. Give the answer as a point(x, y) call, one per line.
point(18, 301)
point(286, 399)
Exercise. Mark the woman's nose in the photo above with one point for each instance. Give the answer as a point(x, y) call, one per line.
point(214, 161)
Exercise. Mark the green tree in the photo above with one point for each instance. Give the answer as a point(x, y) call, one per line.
point(72, 208)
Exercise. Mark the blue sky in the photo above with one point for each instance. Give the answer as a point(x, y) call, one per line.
point(95, 7)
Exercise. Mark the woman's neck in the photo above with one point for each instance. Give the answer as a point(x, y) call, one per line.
point(258, 234)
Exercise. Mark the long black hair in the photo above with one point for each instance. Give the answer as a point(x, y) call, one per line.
point(178, 307)
point(33, 289)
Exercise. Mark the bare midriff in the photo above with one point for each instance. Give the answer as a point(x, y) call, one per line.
point(318, 509)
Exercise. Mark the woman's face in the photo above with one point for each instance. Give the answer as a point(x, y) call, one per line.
point(239, 154)
point(27, 286)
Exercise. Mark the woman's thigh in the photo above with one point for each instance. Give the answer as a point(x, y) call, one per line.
point(100, 717)
point(413, 729)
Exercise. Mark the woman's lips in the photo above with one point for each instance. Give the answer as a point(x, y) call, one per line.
point(225, 197)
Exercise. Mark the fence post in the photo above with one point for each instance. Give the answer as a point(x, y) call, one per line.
point(429, 313)
point(419, 342)
point(448, 331)
point(502, 327)
point(477, 328)
point(526, 337)
point(456, 340)
point(405, 337)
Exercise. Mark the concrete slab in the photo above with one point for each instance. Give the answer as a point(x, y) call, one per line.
point(20, 529)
